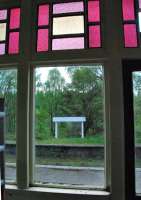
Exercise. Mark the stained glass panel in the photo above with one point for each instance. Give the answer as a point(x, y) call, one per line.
point(93, 11)
point(94, 36)
point(61, 24)
point(68, 43)
point(68, 25)
point(43, 16)
point(130, 35)
point(3, 14)
point(13, 43)
point(15, 18)
point(2, 31)
point(68, 7)
point(42, 41)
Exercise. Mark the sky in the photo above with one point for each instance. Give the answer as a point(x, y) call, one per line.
point(43, 71)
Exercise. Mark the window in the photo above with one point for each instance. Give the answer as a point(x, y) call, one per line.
point(9, 31)
point(69, 25)
point(8, 91)
point(69, 126)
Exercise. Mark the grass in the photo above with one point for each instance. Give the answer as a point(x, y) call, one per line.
point(89, 140)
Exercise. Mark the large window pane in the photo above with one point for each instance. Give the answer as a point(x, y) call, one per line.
point(8, 91)
point(69, 126)
point(137, 125)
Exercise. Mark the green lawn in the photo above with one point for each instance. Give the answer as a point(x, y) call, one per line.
point(89, 140)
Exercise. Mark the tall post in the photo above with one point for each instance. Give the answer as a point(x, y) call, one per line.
point(56, 129)
point(82, 129)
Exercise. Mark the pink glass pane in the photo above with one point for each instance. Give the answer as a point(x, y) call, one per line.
point(130, 35)
point(13, 43)
point(42, 40)
point(43, 16)
point(139, 3)
point(3, 14)
point(93, 11)
point(68, 7)
point(2, 49)
point(94, 36)
point(128, 9)
point(68, 43)
point(15, 18)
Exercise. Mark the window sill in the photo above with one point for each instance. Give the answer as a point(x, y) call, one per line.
point(12, 192)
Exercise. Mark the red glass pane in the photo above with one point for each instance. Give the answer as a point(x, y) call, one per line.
point(130, 35)
point(128, 9)
point(93, 11)
point(15, 18)
point(43, 15)
point(94, 36)
point(42, 40)
point(13, 43)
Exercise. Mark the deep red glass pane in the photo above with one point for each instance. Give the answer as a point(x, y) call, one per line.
point(15, 18)
point(13, 43)
point(94, 36)
point(130, 35)
point(93, 11)
point(43, 15)
point(128, 9)
point(42, 40)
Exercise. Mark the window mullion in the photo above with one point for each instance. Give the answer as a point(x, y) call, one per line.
point(23, 127)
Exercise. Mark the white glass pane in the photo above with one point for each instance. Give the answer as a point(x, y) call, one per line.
point(68, 25)
point(2, 31)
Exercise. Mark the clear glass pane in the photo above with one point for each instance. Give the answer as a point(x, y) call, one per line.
point(94, 36)
point(42, 40)
point(2, 49)
point(128, 9)
point(2, 31)
point(69, 126)
point(43, 16)
point(68, 7)
point(68, 43)
point(13, 43)
point(3, 14)
point(137, 125)
point(15, 18)
point(8, 90)
point(130, 35)
point(68, 25)
point(93, 11)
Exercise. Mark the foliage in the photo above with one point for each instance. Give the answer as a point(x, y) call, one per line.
point(83, 96)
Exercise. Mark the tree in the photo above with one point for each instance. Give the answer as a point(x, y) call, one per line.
point(8, 91)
